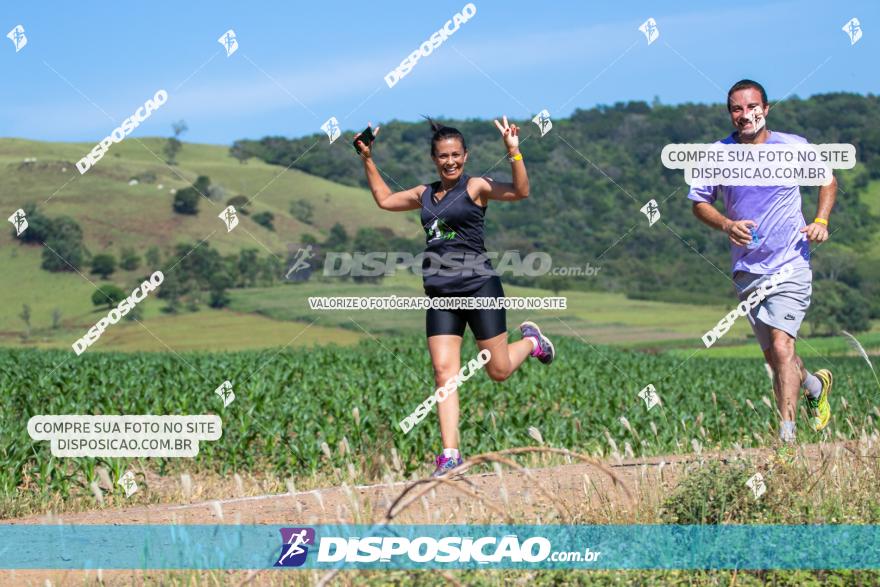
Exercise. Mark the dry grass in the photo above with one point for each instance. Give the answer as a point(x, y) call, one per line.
point(840, 487)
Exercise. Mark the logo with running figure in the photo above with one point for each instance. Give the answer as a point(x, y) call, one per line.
point(652, 211)
point(19, 221)
point(853, 30)
point(229, 217)
point(229, 40)
point(331, 127)
point(542, 119)
point(650, 29)
point(18, 38)
point(439, 230)
point(295, 547)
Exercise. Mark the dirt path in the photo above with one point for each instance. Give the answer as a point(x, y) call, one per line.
point(574, 493)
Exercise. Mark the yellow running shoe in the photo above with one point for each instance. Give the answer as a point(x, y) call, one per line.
point(819, 408)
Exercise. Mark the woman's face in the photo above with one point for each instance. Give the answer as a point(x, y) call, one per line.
point(449, 157)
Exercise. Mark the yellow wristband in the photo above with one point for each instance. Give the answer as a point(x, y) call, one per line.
point(821, 221)
point(517, 157)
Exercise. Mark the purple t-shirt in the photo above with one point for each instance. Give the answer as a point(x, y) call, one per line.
point(776, 210)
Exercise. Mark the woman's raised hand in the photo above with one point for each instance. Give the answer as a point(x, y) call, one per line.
point(509, 132)
point(365, 150)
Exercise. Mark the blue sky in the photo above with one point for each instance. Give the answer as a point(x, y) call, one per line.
point(87, 66)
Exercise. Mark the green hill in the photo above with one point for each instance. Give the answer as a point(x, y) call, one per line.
point(113, 213)
point(593, 171)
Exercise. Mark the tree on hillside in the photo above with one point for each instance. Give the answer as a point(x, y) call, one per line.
point(153, 257)
point(264, 219)
point(61, 237)
point(302, 210)
point(104, 265)
point(64, 249)
point(173, 145)
point(554, 283)
point(218, 285)
point(26, 318)
point(198, 269)
point(129, 260)
point(248, 267)
point(108, 294)
point(186, 201)
point(337, 238)
point(239, 152)
point(39, 225)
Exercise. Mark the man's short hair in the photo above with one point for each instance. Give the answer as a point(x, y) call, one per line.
point(745, 84)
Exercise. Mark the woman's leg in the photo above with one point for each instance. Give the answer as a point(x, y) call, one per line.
point(505, 358)
point(446, 358)
point(490, 329)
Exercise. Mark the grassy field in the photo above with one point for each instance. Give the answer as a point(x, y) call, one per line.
point(266, 317)
point(597, 317)
point(303, 413)
point(70, 294)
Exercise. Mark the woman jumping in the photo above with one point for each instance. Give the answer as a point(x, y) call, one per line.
point(452, 212)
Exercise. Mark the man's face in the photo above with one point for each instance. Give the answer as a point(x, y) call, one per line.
point(747, 111)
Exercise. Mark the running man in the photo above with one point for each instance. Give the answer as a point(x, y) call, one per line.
point(452, 213)
point(773, 214)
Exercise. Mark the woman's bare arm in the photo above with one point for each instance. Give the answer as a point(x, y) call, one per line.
point(518, 189)
point(410, 199)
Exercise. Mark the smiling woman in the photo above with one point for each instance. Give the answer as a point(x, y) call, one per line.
point(452, 215)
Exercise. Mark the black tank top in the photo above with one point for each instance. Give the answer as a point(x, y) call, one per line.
point(455, 259)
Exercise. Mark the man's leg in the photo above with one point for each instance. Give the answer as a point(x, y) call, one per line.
point(782, 313)
point(787, 376)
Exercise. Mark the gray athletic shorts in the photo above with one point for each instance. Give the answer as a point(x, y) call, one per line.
point(783, 308)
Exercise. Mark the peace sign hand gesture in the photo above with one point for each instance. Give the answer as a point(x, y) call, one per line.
point(509, 132)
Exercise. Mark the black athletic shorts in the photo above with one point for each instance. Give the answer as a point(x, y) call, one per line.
point(485, 324)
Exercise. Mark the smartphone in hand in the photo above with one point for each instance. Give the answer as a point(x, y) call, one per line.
point(366, 137)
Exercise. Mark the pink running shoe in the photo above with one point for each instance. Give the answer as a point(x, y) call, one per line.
point(445, 464)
